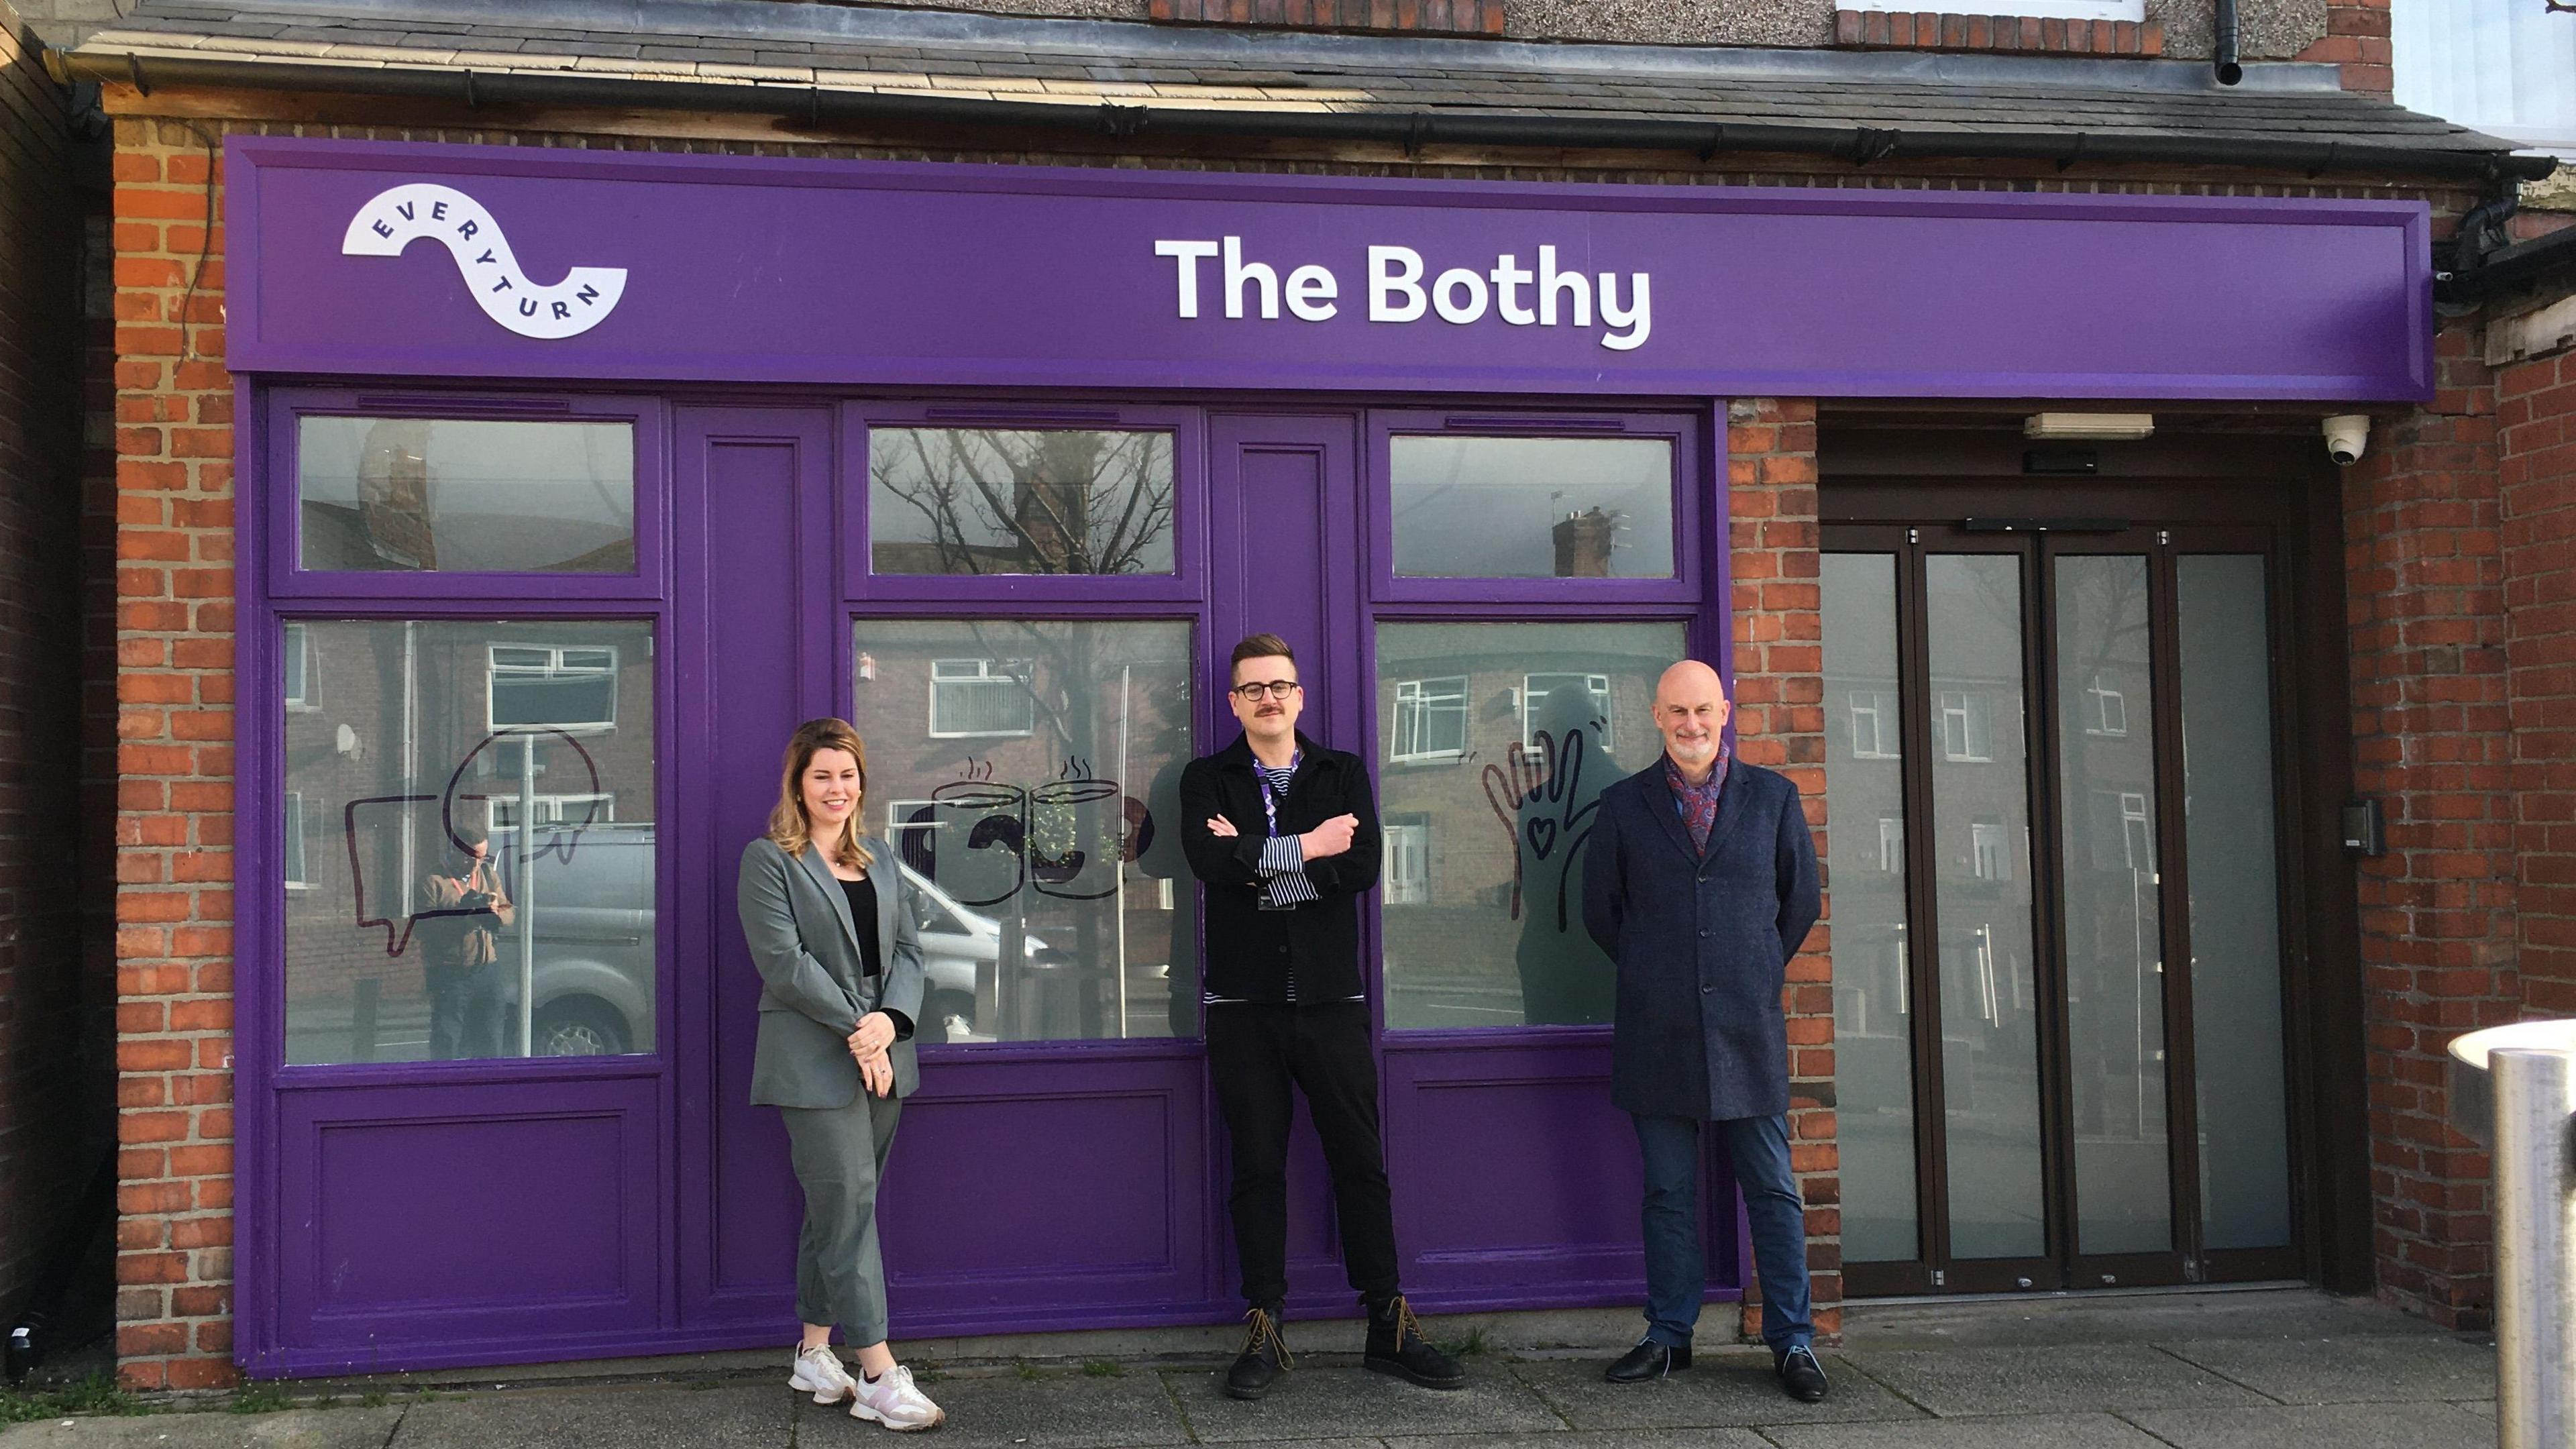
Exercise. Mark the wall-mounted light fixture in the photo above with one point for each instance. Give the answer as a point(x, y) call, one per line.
point(2098, 427)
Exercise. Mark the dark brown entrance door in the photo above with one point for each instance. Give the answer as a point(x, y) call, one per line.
point(2062, 902)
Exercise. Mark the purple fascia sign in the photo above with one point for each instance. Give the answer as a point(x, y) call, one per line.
point(509, 262)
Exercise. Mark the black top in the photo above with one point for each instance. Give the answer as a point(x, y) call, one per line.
point(863, 915)
point(1253, 954)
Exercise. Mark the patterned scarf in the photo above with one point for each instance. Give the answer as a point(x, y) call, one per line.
point(1698, 803)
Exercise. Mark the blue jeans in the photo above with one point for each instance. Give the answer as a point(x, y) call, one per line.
point(1677, 1267)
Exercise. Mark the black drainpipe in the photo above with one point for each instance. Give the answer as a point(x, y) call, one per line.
point(2223, 56)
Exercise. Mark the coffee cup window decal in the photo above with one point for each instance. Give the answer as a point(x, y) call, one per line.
point(398, 216)
point(1012, 837)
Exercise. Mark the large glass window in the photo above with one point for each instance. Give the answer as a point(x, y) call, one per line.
point(464, 495)
point(1533, 508)
point(1019, 501)
point(1033, 805)
point(1484, 926)
point(470, 847)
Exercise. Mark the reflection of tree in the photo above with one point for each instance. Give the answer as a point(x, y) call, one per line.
point(1029, 502)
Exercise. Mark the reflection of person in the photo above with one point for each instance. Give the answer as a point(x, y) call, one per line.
point(459, 956)
point(1700, 881)
point(1561, 977)
point(841, 982)
point(1285, 837)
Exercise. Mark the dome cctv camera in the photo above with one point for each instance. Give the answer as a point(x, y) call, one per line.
point(2347, 435)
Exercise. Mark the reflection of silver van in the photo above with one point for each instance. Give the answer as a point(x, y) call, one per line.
point(592, 909)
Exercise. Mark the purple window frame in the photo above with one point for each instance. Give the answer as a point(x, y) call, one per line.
point(1683, 430)
point(992, 593)
point(287, 578)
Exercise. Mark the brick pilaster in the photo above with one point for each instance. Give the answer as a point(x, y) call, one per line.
point(174, 860)
point(1780, 723)
point(2536, 468)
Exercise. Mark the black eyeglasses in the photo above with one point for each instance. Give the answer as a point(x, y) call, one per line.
point(1275, 688)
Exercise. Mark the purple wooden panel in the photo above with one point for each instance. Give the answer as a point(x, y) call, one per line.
point(413, 1218)
point(765, 269)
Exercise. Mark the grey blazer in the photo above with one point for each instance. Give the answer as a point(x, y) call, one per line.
point(812, 987)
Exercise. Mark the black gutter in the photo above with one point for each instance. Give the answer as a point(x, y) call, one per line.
point(2524, 265)
point(1412, 129)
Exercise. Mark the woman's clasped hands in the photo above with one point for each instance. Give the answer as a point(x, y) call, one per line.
point(869, 1045)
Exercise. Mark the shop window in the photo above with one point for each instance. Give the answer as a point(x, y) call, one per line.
point(551, 686)
point(1020, 501)
point(1035, 809)
point(439, 737)
point(1429, 720)
point(1532, 508)
point(1552, 704)
point(1873, 725)
point(292, 855)
point(973, 698)
point(295, 662)
point(465, 495)
point(1501, 942)
point(1405, 874)
point(2106, 710)
point(1967, 728)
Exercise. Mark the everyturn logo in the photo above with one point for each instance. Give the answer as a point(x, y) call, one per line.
point(397, 217)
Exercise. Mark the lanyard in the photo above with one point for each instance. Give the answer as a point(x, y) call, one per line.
point(1269, 795)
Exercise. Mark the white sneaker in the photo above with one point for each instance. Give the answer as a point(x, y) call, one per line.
point(895, 1403)
point(818, 1371)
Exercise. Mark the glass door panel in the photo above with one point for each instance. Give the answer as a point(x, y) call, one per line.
point(1989, 1002)
point(2113, 924)
point(1865, 868)
point(2231, 836)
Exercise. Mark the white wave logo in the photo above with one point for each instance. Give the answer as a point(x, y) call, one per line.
point(396, 218)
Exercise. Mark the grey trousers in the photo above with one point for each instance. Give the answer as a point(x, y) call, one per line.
point(839, 1154)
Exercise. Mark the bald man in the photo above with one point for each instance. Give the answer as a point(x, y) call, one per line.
point(1700, 881)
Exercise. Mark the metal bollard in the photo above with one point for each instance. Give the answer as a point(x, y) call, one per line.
point(2530, 1071)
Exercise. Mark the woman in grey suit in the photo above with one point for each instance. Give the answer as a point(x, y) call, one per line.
point(840, 982)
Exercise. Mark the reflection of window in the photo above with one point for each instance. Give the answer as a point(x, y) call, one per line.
point(565, 687)
point(2106, 710)
point(970, 697)
point(1430, 720)
point(1967, 728)
point(1873, 723)
point(1408, 862)
point(302, 690)
point(598, 809)
point(1992, 846)
point(1891, 844)
point(1541, 709)
point(295, 872)
point(2123, 831)
point(2135, 839)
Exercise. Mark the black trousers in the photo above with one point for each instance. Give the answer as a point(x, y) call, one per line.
point(1256, 1052)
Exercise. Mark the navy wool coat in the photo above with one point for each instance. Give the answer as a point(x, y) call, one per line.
point(1702, 941)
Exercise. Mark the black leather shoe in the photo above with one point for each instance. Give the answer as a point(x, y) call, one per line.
point(1801, 1377)
point(1396, 1346)
point(1649, 1360)
point(1264, 1357)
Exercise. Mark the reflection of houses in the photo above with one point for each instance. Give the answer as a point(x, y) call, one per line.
point(395, 731)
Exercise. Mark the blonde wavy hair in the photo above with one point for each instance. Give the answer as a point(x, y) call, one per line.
point(788, 828)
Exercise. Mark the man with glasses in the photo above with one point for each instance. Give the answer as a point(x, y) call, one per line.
point(1284, 835)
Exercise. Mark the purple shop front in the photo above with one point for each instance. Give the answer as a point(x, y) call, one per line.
point(572, 481)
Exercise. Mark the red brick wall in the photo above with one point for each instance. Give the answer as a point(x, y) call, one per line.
point(53, 1039)
point(174, 864)
point(2536, 462)
point(1780, 723)
point(2356, 39)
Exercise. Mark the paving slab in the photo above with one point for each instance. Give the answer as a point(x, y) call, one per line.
point(2047, 1320)
point(2038, 1431)
point(632, 1416)
point(350, 1428)
point(2071, 1379)
point(1330, 1401)
point(1057, 1409)
point(1718, 1389)
point(1592, 1439)
point(2351, 1370)
point(2346, 1426)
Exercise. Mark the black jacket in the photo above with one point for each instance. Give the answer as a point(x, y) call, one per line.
point(1253, 954)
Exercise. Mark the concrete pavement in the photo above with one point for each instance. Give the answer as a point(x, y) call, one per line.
point(2237, 1370)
